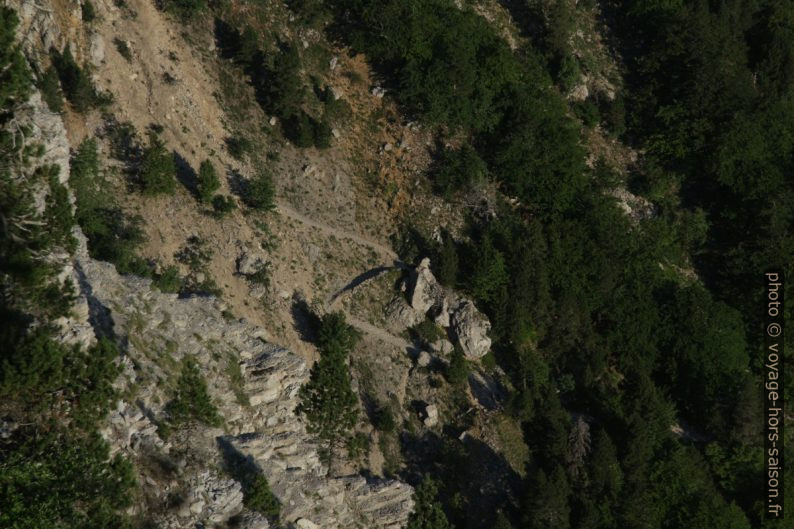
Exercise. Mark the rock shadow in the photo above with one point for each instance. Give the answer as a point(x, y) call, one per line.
point(466, 468)
point(99, 315)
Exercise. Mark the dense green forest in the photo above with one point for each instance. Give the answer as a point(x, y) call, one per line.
point(592, 315)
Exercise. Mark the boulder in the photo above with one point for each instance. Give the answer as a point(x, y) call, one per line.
point(97, 49)
point(253, 520)
point(580, 92)
point(400, 315)
point(305, 523)
point(440, 312)
point(226, 499)
point(442, 346)
point(431, 415)
point(249, 263)
point(471, 328)
point(423, 359)
point(426, 291)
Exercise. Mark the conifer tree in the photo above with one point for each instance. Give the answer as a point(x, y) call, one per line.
point(427, 510)
point(208, 181)
point(158, 171)
point(327, 401)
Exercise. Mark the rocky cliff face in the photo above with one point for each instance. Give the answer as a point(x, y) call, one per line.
point(160, 329)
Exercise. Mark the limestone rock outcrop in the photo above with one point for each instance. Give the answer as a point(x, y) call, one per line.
point(428, 298)
point(426, 291)
point(471, 328)
point(160, 329)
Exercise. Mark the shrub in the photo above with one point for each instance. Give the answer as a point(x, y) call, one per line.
point(185, 8)
point(192, 401)
point(223, 205)
point(168, 280)
point(75, 82)
point(457, 169)
point(260, 192)
point(158, 170)
point(587, 111)
point(336, 110)
point(239, 146)
point(427, 332)
point(123, 49)
point(50, 88)
point(207, 182)
point(358, 446)
point(383, 419)
point(261, 277)
point(124, 141)
point(458, 370)
point(235, 373)
point(88, 11)
point(194, 253)
point(258, 497)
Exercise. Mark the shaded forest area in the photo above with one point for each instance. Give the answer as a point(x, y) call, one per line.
point(591, 315)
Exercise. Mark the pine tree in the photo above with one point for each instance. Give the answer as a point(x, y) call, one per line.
point(458, 370)
point(248, 46)
point(208, 181)
point(158, 170)
point(606, 478)
point(502, 521)
point(448, 262)
point(14, 74)
point(258, 497)
point(75, 82)
point(260, 192)
point(335, 334)
point(191, 400)
point(488, 271)
point(427, 510)
point(327, 401)
point(547, 505)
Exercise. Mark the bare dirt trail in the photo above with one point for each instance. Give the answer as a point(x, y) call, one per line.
point(288, 211)
point(379, 333)
point(361, 325)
